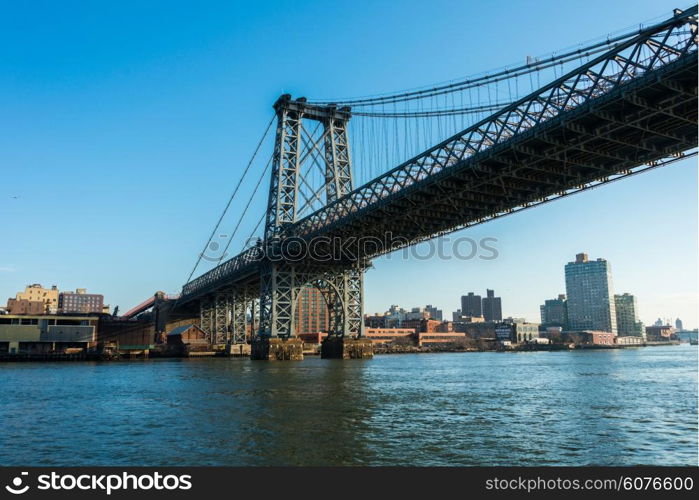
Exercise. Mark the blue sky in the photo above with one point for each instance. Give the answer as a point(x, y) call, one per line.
point(126, 125)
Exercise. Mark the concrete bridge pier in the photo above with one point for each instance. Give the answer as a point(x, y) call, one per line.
point(339, 347)
point(277, 349)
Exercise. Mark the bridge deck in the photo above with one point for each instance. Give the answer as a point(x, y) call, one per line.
point(624, 112)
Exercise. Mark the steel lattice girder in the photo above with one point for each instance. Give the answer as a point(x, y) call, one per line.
point(288, 170)
point(670, 46)
point(630, 109)
point(281, 283)
point(223, 306)
point(206, 317)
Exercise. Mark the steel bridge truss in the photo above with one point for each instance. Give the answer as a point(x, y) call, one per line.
point(296, 152)
point(224, 315)
point(664, 46)
point(281, 282)
point(623, 112)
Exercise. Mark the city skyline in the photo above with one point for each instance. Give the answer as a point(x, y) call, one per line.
point(647, 317)
point(163, 124)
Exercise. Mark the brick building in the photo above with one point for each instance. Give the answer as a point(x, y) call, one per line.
point(311, 315)
point(35, 299)
point(80, 302)
point(385, 335)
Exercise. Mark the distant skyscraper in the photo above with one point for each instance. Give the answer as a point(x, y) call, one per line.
point(471, 305)
point(492, 307)
point(590, 295)
point(627, 316)
point(678, 324)
point(434, 312)
point(554, 312)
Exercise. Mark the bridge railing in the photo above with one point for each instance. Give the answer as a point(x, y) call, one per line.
point(648, 50)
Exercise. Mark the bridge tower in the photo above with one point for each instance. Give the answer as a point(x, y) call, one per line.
point(288, 266)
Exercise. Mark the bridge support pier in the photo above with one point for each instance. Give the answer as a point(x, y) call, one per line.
point(277, 349)
point(342, 289)
point(337, 347)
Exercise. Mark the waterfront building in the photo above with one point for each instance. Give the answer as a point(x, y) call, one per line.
point(80, 302)
point(386, 335)
point(436, 338)
point(678, 324)
point(311, 314)
point(590, 295)
point(471, 305)
point(662, 333)
point(630, 340)
point(627, 323)
point(554, 312)
point(590, 337)
point(44, 334)
point(34, 300)
point(434, 312)
point(492, 307)
point(517, 331)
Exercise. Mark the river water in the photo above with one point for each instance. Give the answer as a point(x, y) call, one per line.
point(603, 407)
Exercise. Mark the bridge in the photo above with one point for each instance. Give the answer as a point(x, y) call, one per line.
point(629, 107)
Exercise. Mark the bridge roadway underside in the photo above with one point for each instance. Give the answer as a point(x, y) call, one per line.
point(649, 119)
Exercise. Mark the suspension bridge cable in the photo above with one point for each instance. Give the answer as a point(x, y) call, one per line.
point(504, 74)
point(433, 113)
point(240, 219)
point(230, 200)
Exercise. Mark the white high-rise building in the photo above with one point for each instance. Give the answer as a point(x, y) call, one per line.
point(590, 295)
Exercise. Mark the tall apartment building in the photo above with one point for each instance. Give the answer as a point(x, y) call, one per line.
point(471, 305)
point(554, 312)
point(627, 323)
point(80, 302)
point(590, 295)
point(311, 314)
point(492, 306)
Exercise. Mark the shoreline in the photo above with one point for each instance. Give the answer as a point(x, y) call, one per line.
point(378, 350)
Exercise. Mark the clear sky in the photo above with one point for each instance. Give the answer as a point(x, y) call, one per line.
point(125, 126)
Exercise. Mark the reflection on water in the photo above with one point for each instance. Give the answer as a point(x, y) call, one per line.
point(631, 406)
